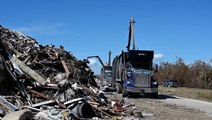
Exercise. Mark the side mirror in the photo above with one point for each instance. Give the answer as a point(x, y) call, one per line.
point(155, 67)
point(128, 74)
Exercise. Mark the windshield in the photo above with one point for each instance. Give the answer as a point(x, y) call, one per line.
point(108, 74)
point(139, 65)
point(173, 80)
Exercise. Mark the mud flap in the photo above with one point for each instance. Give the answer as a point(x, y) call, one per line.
point(125, 93)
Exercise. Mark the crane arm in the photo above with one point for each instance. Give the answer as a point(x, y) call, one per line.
point(97, 58)
point(131, 34)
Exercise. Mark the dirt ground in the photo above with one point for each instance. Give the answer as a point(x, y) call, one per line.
point(163, 111)
point(157, 109)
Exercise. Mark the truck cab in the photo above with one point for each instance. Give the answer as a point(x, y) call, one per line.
point(106, 76)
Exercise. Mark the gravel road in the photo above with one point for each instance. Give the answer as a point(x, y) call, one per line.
point(191, 103)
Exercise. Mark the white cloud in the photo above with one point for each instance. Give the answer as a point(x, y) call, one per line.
point(92, 61)
point(23, 29)
point(95, 65)
point(42, 28)
point(158, 56)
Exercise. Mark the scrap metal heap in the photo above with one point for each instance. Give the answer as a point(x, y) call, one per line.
point(47, 83)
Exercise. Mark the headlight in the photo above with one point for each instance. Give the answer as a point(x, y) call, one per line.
point(154, 83)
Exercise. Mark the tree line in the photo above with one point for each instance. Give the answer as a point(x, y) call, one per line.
point(195, 75)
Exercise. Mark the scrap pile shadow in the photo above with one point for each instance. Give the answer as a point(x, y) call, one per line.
point(163, 96)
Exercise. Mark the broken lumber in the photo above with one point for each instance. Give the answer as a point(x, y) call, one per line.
point(27, 70)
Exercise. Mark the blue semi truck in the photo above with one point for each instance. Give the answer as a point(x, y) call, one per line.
point(133, 70)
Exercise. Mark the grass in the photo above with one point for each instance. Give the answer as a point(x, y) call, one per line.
point(193, 93)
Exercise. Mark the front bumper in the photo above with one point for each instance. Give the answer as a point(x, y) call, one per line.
point(142, 90)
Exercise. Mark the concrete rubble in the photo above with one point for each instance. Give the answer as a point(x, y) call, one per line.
point(48, 83)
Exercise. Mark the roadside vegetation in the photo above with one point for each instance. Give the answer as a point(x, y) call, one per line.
point(195, 75)
point(193, 93)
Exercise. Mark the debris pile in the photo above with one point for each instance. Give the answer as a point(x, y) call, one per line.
point(47, 83)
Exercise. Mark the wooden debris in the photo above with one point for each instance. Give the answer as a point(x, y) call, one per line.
point(28, 71)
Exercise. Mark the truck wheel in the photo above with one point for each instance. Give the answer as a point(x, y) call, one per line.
point(118, 88)
point(124, 92)
point(154, 95)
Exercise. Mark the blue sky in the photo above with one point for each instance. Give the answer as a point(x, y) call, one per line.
point(172, 28)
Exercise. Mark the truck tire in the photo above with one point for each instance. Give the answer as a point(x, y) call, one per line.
point(154, 95)
point(118, 88)
point(124, 92)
